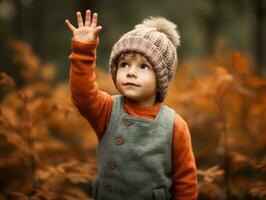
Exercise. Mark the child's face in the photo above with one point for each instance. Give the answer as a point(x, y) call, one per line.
point(136, 79)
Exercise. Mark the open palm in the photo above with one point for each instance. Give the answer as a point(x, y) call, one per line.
point(87, 32)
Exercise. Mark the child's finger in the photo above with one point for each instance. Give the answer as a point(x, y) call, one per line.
point(88, 18)
point(94, 20)
point(79, 19)
point(98, 29)
point(70, 26)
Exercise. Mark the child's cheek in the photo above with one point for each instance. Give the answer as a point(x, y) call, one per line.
point(117, 78)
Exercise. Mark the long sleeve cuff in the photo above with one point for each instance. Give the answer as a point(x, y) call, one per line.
point(83, 51)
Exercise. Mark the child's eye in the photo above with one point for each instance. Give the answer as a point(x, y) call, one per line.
point(124, 64)
point(145, 66)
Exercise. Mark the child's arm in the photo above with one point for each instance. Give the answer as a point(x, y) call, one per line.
point(93, 104)
point(184, 166)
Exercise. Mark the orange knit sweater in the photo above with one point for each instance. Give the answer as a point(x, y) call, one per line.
point(96, 107)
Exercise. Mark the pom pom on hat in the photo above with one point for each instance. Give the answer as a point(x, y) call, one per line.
point(162, 25)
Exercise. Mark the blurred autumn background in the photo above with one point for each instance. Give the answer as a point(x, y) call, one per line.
point(47, 150)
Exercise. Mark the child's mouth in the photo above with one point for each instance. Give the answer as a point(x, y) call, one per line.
point(131, 84)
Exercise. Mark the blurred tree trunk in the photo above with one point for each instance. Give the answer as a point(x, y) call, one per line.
point(213, 24)
point(259, 36)
point(38, 11)
point(88, 4)
point(19, 19)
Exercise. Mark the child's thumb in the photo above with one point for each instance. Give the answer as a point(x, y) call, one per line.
point(98, 29)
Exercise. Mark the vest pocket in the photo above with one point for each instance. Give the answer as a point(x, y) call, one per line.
point(159, 194)
point(95, 189)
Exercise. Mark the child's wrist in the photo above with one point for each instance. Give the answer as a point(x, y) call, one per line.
point(80, 47)
point(87, 43)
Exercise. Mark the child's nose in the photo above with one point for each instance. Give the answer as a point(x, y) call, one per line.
point(132, 71)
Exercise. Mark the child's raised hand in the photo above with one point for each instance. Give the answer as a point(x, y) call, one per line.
point(87, 32)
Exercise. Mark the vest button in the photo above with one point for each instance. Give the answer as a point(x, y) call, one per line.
point(119, 140)
point(110, 166)
point(128, 122)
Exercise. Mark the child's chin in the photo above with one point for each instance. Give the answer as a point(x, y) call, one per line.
point(132, 97)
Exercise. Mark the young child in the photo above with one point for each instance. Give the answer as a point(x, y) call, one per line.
point(144, 149)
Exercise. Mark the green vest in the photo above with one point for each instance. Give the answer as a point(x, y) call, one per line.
point(134, 156)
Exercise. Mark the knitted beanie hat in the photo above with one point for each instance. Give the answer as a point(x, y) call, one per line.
point(155, 38)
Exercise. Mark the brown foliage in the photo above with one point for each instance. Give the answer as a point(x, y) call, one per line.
point(47, 150)
point(223, 102)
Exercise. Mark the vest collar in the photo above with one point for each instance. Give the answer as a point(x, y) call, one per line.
point(157, 107)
